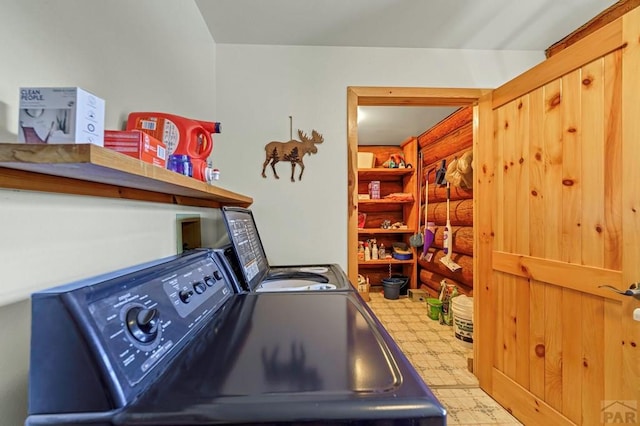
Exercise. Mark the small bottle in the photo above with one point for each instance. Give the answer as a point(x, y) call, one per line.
point(381, 252)
point(374, 251)
point(204, 172)
point(211, 174)
point(367, 252)
point(360, 250)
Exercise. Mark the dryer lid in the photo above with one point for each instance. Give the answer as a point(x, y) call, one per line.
point(246, 244)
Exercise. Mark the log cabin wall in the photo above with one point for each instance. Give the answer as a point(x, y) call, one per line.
point(447, 140)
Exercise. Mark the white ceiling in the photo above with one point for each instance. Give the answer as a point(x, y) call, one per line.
point(446, 24)
point(392, 125)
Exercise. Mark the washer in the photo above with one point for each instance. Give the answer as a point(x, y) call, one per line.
point(171, 343)
point(246, 258)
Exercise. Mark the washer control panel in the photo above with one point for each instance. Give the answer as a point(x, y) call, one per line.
point(148, 315)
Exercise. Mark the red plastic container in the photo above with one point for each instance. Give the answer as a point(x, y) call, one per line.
point(181, 135)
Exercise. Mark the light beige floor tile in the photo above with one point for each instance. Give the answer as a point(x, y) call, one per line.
point(441, 361)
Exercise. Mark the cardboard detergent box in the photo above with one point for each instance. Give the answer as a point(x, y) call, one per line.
point(60, 115)
point(137, 144)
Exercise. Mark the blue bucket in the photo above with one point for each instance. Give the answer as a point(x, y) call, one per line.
point(391, 287)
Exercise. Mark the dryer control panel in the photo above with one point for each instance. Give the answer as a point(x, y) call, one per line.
point(101, 341)
point(144, 317)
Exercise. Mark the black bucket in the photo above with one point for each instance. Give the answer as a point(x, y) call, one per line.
point(391, 287)
point(404, 287)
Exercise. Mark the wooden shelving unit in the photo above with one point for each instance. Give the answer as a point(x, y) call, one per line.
point(86, 169)
point(391, 180)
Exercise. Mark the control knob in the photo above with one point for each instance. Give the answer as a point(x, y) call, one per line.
point(143, 323)
point(185, 296)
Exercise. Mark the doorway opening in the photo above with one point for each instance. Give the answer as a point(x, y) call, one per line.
point(480, 101)
point(387, 96)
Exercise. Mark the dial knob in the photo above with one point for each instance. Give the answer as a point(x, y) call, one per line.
point(143, 323)
point(185, 296)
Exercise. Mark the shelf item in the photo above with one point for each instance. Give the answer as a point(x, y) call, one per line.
point(366, 160)
point(86, 169)
point(362, 219)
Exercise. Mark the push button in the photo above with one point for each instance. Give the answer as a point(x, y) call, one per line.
point(199, 287)
point(209, 281)
point(217, 275)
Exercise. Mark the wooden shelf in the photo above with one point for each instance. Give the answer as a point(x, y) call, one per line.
point(385, 231)
point(86, 169)
point(384, 201)
point(383, 174)
point(384, 262)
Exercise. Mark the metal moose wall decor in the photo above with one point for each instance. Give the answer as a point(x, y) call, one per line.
point(292, 151)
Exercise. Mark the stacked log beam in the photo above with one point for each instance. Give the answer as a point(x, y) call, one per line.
point(460, 212)
point(438, 194)
point(432, 280)
point(462, 239)
point(462, 276)
point(447, 127)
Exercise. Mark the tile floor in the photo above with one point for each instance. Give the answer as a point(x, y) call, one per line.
point(441, 360)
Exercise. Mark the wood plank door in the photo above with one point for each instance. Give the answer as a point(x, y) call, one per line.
point(558, 215)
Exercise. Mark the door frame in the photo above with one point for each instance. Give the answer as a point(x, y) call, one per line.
point(480, 99)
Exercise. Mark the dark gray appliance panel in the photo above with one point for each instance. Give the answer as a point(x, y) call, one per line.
point(295, 358)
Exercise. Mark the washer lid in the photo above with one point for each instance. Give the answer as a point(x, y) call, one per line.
point(287, 357)
point(246, 243)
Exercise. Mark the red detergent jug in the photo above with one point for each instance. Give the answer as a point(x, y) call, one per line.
point(182, 136)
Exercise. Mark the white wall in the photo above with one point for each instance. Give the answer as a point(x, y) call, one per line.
point(136, 55)
point(259, 87)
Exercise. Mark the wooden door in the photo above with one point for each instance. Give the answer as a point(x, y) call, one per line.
point(558, 214)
